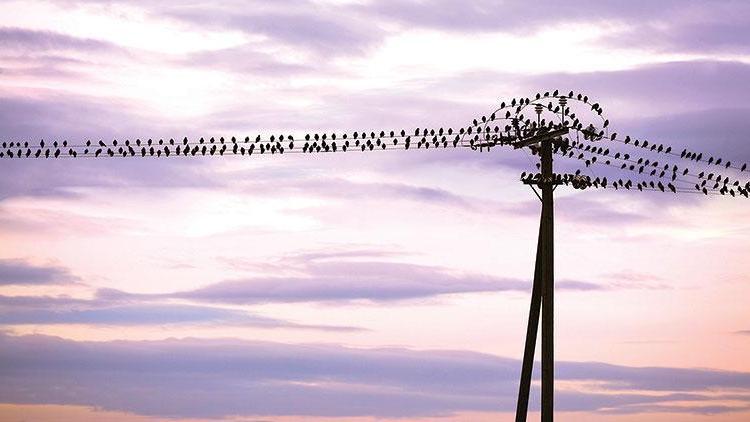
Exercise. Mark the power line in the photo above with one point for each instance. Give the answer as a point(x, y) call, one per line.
point(507, 127)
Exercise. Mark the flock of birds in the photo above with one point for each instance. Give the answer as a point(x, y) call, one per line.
point(661, 169)
point(587, 145)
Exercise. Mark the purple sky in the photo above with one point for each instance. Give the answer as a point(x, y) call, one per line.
point(361, 287)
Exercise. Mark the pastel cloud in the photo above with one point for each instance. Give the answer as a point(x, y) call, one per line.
point(217, 378)
point(670, 86)
point(41, 302)
point(54, 116)
point(108, 311)
point(21, 39)
point(340, 28)
point(486, 15)
point(317, 27)
point(354, 276)
point(155, 314)
point(693, 25)
point(20, 272)
point(344, 281)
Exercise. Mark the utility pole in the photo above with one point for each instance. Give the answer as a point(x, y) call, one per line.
point(548, 287)
point(543, 290)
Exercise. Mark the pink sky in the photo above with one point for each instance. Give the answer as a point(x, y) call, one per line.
point(361, 287)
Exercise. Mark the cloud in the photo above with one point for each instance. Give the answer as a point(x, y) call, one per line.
point(55, 116)
point(487, 15)
point(117, 311)
point(677, 85)
point(634, 279)
point(351, 276)
point(288, 37)
point(19, 272)
point(716, 132)
point(22, 39)
point(354, 28)
point(44, 178)
point(579, 208)
point(617, 377)
point(709, 28)
point(49, 56)
point(216, 378)
point(247, 60)
point(42, 302)
point(334, 187)
point(345, 281)
point(306, 25)
point(673, 26)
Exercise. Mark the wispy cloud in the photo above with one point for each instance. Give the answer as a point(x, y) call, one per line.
point(317, 27)
point(332, 277)
point(22, 39)
point(110, 311)
point(216, 378)
point(342, 282)
point(156, 314)
point(635, 279)
point(20, 272)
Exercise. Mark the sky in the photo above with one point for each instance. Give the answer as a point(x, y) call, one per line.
point(356, 287)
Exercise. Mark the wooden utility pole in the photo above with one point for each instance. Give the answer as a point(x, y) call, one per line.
point(543, 290)
point(548, 287)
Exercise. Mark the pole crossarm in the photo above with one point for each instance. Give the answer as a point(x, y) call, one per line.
point(540, 136)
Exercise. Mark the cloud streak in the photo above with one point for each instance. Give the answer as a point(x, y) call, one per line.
point(350, 276)
point(319, 28)
point(117, 310)
point(153, 314)
point(216, 378)
point(20, 272)
point(21, 39)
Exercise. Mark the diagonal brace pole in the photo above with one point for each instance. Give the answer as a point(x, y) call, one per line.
point(522, 406)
